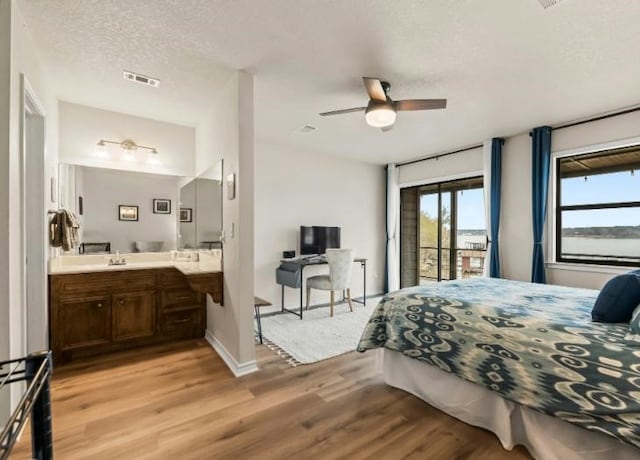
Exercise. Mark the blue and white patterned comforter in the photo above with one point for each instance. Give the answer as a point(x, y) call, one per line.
point(534, 344)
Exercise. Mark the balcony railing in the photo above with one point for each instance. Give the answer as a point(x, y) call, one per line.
point(469, 263)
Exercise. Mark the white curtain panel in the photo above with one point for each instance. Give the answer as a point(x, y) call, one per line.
point(393, 224)
point(486, 165)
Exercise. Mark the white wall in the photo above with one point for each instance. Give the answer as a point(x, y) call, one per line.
point(295, 188)
point(448, 167)
point(105, 189)
point(82, 127)
point(5, 141)
point(18, 56)
point(208, 212)
point(516, 222)
point(188, 229)
point(228, 134)
point(516, 237)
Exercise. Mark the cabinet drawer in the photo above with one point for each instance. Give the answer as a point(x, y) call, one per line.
point(185, 323)
point(102, 282)
point(180, 297)
point(172, 279)
point(134, 280)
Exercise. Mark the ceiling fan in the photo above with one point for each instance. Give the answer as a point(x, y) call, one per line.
point(381, 110)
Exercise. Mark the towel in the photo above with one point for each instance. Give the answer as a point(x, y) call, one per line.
point(63, 230)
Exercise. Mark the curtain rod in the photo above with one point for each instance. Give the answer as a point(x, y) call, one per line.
point(597, 118)
point(553, 128)
point(435, 157)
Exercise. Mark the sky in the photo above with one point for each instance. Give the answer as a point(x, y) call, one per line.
point(470, 208)
point(602, 188)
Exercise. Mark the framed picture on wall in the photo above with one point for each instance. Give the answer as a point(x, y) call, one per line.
point(128, 212)
point(186, 214)
point(161, 206)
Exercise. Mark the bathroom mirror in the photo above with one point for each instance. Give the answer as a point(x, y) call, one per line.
point(129, 211)
point(200, 213)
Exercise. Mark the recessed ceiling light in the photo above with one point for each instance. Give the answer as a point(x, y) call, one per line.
point(139, 78)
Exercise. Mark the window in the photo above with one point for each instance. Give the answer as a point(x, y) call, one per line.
point(443, 232)
point(598, 207)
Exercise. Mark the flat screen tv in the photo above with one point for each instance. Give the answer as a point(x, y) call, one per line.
point(316, 240)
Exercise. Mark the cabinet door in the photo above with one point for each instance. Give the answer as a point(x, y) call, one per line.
point(84, 322)
point(134, 315)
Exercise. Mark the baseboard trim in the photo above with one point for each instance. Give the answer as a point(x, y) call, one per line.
point(236, 368)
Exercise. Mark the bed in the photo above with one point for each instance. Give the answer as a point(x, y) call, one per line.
point(522, 360)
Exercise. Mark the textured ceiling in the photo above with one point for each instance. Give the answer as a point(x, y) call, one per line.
point(504, 65)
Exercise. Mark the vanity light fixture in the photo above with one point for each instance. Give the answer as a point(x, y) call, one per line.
point(128, 145)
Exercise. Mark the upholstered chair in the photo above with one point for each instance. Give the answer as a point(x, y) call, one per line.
point(339, 277)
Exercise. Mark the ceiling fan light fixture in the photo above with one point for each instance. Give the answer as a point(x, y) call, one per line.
point(380, 114)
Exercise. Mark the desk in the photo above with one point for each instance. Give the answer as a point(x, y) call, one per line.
point(302, 263)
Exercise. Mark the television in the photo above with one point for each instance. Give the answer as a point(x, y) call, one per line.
point(316, 240)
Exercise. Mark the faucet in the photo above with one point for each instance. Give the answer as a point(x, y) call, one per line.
point(117, 260)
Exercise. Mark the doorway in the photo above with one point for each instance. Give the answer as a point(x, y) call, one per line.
point(443, 231)
point(34, 223)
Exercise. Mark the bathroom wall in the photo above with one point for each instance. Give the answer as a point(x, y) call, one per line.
point(82, 127)
point(103, 190)
point(188, 229)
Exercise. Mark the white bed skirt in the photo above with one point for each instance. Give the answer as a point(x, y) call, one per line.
point(546, 437)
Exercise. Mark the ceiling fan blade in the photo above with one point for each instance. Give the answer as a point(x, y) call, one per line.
point(421, 104)
point(387, 128)
point(340, 112)
point(375, 89)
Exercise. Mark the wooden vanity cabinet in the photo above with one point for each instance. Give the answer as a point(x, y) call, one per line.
point(133, 315)
point(93, 313)
point(84, 322)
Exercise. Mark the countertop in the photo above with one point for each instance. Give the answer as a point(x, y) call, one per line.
point(206, 264)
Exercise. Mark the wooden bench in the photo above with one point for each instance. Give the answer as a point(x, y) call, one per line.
point(257, 303)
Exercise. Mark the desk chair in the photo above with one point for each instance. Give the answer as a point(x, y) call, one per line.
point(339, 277)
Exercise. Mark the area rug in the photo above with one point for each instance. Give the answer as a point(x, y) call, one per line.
point(318, 336)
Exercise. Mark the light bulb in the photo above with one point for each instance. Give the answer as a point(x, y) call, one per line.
point(128, 156)
point(153, 158)
point(380, 114)
point(101, 149)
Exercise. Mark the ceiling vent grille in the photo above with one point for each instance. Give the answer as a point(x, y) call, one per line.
point(139, 78)
point(546, 4)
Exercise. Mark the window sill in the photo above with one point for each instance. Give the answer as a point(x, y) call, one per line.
point(605, 269)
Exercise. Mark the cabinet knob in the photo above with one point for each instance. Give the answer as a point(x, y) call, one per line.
point(100, 305)
point(121, 301)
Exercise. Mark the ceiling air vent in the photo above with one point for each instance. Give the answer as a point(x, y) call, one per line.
point(142, 79)
point(548, 3)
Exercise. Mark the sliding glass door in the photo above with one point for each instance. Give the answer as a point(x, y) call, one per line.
point(447, 234)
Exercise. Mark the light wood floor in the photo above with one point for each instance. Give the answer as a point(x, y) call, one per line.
point(179, 401)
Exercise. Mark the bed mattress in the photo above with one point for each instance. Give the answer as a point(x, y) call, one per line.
point(533, 344)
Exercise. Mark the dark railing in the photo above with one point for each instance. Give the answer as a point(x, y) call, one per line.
point(35, 370)
point(446, 262)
